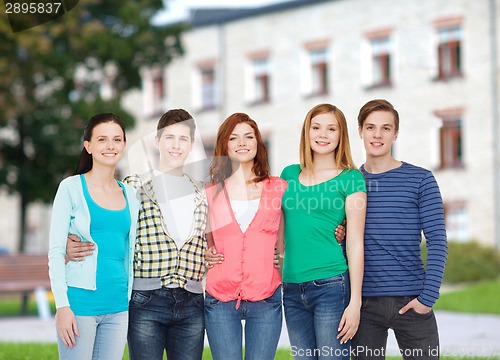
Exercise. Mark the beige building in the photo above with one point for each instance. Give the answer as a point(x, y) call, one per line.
point(436, 61)
point(432, 59)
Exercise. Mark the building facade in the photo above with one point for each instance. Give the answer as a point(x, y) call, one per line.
point(435, 60)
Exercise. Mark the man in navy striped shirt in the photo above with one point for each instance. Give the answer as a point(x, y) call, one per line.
point(403, 201)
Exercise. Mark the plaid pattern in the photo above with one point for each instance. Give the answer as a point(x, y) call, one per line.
point(156, 254)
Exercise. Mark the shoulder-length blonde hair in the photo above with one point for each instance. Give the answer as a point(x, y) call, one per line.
point(342, 154)
point(220, 168)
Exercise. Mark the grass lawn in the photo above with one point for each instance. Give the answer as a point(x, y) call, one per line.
point(11, 306)
point(11, 351)
point(17, 351)
point(479, 298)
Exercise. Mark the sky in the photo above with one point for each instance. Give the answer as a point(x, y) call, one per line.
point(178, 9)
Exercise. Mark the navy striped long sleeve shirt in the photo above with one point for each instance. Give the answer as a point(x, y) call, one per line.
point(402, 203)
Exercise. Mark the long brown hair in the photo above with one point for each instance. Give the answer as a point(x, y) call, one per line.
point(343, 158)
point(220, 168)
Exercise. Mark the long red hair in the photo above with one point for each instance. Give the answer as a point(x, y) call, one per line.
point(220, 168)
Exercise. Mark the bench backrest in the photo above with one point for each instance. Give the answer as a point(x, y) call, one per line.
point(23, 267)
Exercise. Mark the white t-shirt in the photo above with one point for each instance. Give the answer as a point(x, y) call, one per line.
point(176, 197)
point(244, 212)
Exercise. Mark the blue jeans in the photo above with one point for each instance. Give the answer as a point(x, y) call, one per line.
point(166, 319)
point(101, 337)
point(416, 334)
point(263, 321)
point(313, 310)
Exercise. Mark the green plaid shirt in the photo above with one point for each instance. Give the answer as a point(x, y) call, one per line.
point(156, 254)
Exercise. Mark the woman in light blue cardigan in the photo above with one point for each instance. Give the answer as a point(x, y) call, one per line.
point(92, 295)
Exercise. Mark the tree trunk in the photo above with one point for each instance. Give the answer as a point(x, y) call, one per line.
point(22, 225)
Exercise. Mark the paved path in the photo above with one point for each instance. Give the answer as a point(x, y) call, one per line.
point(460, 334)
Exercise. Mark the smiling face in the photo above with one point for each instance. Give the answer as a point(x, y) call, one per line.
point(324, 134)
point(242, 144)
point(106, 144)
point(174, 144)
point(378, 133)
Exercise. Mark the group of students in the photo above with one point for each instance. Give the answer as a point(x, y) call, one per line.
point(127, 259)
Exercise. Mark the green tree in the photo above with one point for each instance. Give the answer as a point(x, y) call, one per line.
point(44, 106)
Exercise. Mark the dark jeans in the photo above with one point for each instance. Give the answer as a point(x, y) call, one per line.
point(416, 334)
point(166, 319)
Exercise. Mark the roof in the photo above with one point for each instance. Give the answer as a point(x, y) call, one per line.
point(213, 16)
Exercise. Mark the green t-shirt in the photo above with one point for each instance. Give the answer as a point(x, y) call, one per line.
point(311, 215)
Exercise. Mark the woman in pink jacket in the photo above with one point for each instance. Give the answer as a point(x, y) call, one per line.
point(245, 211)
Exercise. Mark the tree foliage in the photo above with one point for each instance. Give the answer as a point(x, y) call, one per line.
point(51, 81)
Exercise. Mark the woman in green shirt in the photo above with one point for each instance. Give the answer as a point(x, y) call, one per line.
point(321, 298)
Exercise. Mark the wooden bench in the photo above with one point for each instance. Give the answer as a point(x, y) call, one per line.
point(26, 274)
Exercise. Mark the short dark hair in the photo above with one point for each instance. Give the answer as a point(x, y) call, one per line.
point(377, 105)
point(176, 116)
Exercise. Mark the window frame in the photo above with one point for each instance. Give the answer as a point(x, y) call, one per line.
point(449, 52)
point(208, 89)
point(451, 143)
point(318, 61)
point(261, 80)
point(381, 54)
point(158, 82)
point(456, 218)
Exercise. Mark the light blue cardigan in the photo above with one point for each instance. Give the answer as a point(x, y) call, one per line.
point(70, 215)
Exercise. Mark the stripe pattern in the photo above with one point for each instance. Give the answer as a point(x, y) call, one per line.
point(402, 203)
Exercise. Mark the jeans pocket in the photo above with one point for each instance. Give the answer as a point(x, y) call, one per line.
point(140, 297)
point(275, 298)
point(210, 301)
point(334, 280)
point(417, 314)
point(364, 302)
point(198, 300)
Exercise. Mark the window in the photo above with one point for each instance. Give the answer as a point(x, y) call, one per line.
point(155, 93)
point(260, 67)
point(449, 52)
point(158, 88)
point(456, 219)
point(208, 88)
point(381, 61)
point(451, 143)
point(319, 71)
